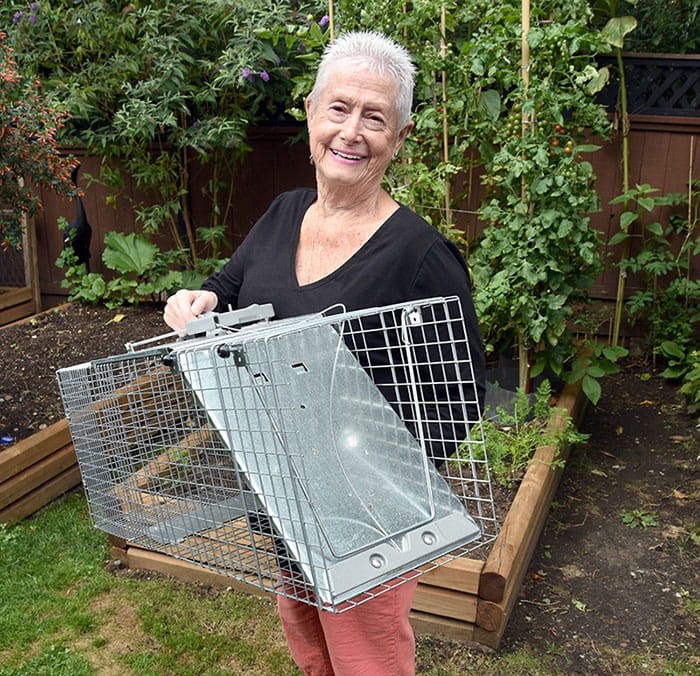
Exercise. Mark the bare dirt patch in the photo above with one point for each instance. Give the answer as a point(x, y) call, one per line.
point(616, 573)
point(120, 634)
point(34, 349)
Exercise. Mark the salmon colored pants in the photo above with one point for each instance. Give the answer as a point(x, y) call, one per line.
point(374, 638)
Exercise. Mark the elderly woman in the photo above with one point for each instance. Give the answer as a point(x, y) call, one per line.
point(348, 241)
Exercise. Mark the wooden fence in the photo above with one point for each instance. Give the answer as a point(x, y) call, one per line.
point(665, 152)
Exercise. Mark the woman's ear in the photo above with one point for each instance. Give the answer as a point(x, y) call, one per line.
point(403, 135)
point(309, 107)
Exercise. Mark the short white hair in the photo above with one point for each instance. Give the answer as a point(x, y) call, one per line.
point(379, 54)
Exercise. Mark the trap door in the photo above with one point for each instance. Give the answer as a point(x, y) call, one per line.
point(342, 479)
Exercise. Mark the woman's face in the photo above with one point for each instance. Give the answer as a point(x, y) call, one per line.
point(353, 128)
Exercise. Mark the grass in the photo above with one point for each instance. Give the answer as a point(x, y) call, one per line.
point(62, 613)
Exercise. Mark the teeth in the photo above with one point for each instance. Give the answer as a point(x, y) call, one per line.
point(347, 156)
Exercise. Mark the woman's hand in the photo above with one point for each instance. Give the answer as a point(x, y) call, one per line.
point(186, 305)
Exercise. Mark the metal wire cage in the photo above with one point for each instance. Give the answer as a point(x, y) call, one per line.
point(326, 458)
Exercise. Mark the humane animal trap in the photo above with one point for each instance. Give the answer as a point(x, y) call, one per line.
point(326, 458)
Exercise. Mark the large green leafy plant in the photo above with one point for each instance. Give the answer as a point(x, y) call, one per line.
point(661, 255)
point(29, 151)
point(160, 88)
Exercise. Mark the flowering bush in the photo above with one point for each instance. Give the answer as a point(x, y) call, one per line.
point(28, 147)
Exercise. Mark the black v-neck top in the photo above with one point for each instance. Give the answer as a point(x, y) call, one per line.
point(405, 259)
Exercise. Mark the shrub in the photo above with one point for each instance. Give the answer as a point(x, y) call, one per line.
point(29, 151)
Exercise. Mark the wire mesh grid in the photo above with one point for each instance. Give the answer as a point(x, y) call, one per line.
point(326, 458)
point(12, 272)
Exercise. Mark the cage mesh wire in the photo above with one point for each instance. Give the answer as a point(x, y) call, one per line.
point(326, 458)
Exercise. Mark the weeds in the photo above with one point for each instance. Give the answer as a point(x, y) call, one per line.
point(511, 437)
point(640, 518)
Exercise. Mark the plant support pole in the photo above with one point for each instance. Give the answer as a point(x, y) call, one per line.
point(523, 352)
point(691, 224)
point(445, 126)
point(622, 274)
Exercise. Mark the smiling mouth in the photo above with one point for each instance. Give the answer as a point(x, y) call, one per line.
point(346, 156)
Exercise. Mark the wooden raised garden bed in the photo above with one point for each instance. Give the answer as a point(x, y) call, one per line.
point(36, 470)
point(465, 599)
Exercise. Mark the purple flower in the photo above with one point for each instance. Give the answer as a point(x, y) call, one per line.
point(32, 18)
point(324, 21)
point(17, 17)
point(264, 76)
point(34, 6)
point(247, 74)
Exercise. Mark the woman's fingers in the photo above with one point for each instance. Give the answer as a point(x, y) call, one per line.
point(186, 305)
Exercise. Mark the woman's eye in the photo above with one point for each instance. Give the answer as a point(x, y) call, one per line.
point(375, 121)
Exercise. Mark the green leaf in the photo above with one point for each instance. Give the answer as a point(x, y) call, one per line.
point(595, 371)
point(671, 349)
point(647, 202)
point(656, 229)
point(627, 218)
point(128, 253)
point(598, 81)
point(618, 238)
point(591, 388)
point(537, 368)
point(614, 352)
point(673, 372)
point(490, 103)
point(615, 30)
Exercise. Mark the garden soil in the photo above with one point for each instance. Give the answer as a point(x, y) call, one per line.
point(613, 583)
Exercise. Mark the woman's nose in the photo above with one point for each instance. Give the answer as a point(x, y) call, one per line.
point(351, 128)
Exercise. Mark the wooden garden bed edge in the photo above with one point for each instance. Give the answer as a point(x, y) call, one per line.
point(440, 609)
point(35, 471)
point(16, 303)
